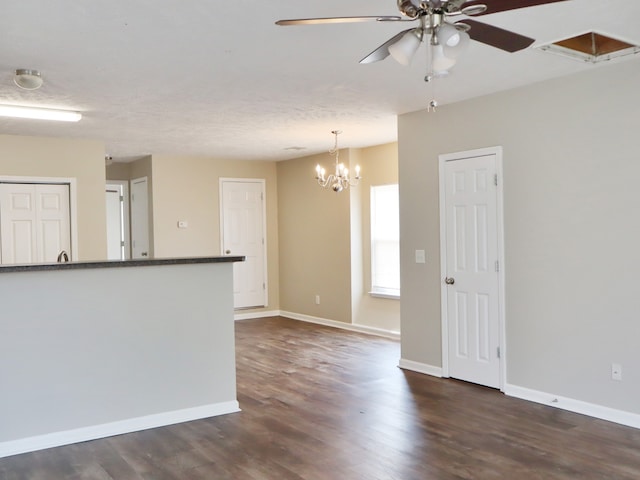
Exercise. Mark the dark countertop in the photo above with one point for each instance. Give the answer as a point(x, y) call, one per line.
point(117, 263)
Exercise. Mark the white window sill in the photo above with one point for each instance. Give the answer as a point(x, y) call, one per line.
point(391, 296)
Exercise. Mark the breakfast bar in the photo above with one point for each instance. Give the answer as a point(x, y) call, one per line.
point(94, 349)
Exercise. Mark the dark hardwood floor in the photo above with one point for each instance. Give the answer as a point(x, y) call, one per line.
point(326, 404)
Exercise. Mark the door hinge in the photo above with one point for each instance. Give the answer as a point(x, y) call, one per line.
point(262, 196)
point(497, 266)
point(495, 179)
point(121, 198)
point(122, 243)
point(498, 351)
point(264, 286)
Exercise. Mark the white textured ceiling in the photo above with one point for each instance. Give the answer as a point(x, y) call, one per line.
point(220, 79)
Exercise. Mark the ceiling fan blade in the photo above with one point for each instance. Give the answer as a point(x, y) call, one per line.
point(495, 6)
point(382, 51)
point(497, 37)
point(315, 21)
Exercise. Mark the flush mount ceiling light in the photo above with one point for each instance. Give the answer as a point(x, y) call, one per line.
point(15, 111)
point(28, 79)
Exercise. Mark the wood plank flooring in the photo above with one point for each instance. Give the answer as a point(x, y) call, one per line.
point(326, 404)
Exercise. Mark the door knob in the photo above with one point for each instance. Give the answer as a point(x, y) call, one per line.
point(144, 254)
point(227, 252)
point(449, 280)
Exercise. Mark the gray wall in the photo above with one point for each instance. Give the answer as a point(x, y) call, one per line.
point(89, 347)
point(572, 229)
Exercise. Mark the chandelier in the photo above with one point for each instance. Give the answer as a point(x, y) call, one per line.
point(340, 180)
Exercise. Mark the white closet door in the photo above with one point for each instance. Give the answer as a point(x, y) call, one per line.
point(243, 233)
point(473, 308)
point(34, 222)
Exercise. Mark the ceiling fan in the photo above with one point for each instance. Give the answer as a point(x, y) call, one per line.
point(439, 23)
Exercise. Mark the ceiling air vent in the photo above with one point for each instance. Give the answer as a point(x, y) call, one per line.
point(591, 47)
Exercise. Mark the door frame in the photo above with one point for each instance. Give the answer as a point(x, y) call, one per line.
point(262, 182)
point(73, 202)
point(442, 159)
point(124, 184)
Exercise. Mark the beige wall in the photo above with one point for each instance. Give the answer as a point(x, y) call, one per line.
point(325, 240)
point(118, 171)
point(187, 188)
point(572, 229)
point(379, 167)
point(314, 241)
point(66, 158)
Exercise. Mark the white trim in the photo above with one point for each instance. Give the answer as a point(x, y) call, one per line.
point(379, 332)
point(263, 182)
point(258, 314)
point(95, 432)
point(390, 296)
point(420, 367)
point(73, 202)
point(442, 159)
point(578, 406)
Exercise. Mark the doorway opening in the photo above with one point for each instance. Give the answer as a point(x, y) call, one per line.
point(118, 237)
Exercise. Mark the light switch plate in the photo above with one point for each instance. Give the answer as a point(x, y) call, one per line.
point(420, 256)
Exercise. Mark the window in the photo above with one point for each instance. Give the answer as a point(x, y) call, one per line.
point(385, 241)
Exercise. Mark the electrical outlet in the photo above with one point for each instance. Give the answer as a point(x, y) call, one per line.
point(317, 299)
point(616, 371)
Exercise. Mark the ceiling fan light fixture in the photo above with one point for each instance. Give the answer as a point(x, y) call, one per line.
point(28, 79)
point(454, 41)
point(440, 63)
point(404, 49)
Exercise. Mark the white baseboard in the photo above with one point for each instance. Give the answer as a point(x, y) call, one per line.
point(57, 439)
point(258, 314)
point(420, 367)
point(578, 406)
point(345, 326)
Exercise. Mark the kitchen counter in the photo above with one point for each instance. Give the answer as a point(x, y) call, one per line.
point(93, 349)
point(34, 267)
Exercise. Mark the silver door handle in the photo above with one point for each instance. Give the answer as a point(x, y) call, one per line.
point(449, 280)
point(227, 252)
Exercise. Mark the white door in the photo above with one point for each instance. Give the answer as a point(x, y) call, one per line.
point(115, 222)
point(471, 254)
point(35, 223)
point(243, 233)
point(139, 219)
